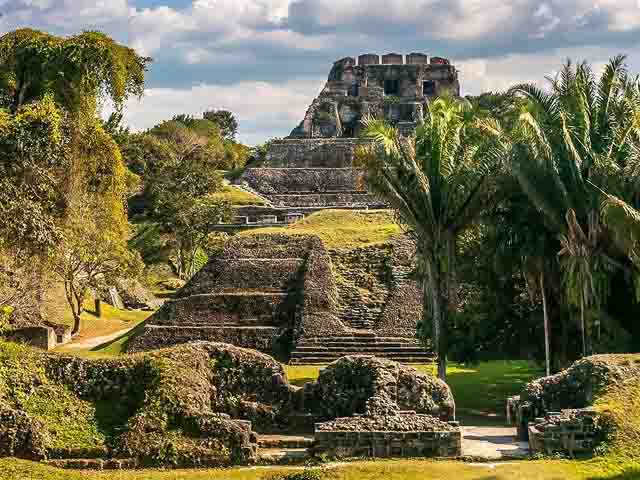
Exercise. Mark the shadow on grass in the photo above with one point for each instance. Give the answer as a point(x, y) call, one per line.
point(299, 382)
point(123, 339)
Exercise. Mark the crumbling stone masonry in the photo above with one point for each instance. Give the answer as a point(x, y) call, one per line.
point(406, 434)
point(394, 88)
point(314, 167)
point(264, 292)
point(573, 432)
point(286, 295)
point(555, 413)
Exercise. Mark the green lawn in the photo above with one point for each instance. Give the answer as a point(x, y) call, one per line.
point(362, 470)
point(237, 197)
point(480, 392)
point(342, 228)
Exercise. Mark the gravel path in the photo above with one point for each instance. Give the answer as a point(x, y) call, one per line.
point(493, 443)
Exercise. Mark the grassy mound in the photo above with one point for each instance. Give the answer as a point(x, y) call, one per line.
point(620, 408)
point(343, 228)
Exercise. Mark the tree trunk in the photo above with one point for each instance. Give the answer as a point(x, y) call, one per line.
point(583, 327)
point(438, 313)
point(547, 340)
point(77, 311)
point(98, 309)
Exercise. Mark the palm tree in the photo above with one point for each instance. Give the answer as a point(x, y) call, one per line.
point(438, 182)
point(571, 148)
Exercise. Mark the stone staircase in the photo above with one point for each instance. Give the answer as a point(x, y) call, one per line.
point(323, 350)
point(283, 449)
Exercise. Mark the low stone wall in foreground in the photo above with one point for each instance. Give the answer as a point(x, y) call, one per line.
point(573, 432)
point(404, 435)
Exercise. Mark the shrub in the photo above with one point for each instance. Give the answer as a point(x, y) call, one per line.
point(306, 474)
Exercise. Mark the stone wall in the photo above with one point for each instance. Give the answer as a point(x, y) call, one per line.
point(554, 413)
point(269, 309)
point(327, 200)
point(573, 432)
point(357, 385)
point(226, 274)
point(274, 181)
point(403, 308)
point(39, 337)
point(263, 339)
point(363, 276)
point(319, 314)
point(304, 153)
point(377, 289)
point(362, 438)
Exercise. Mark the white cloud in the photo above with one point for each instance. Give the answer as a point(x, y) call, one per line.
point(498, 74)
point(229, 45)
point(263, 109)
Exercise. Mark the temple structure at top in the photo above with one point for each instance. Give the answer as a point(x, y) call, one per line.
point(314, 168)
point(392, 86)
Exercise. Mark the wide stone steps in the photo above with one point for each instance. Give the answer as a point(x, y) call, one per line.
point(329, 359)
point(282, 456)
point(283, 449)
point(328, 349)
point(284, 441)
point(355, 350)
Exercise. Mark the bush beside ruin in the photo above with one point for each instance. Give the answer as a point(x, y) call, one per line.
point(360, 384)
point(582, 409)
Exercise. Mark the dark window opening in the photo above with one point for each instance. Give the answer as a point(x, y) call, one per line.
point(348, 131)
point(429, 88)
point(392, 87)
point(354, 90)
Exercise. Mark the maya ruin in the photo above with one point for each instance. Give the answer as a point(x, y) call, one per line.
point(416, 282)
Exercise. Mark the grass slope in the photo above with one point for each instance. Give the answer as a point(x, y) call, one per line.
point(112, 320)
point(237, 197)
point(342, 228)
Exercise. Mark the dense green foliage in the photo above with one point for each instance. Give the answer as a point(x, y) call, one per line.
point(225, 120)
point(533, 192)
point(181, 196)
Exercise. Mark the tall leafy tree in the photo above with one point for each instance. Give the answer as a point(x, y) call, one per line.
point(438, 183)
point(55, 154)
point(226, 122)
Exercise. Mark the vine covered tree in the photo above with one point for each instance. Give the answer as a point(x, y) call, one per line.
point(55, 155)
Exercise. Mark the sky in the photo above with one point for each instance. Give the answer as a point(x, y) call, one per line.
point(267, 59)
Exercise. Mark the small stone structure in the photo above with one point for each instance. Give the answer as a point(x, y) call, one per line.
point(405, 434)
point(46, 336)
point(571, 431)
point(382, 398)
point(41, 337)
